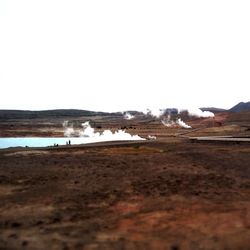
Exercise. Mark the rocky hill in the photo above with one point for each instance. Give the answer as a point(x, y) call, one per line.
point(242, 106)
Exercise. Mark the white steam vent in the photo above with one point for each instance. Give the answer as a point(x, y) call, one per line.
point(171, 123)
point(154, 112)
point(182, 124)
point(89, 133)
point(198, 112)
point(128, 116)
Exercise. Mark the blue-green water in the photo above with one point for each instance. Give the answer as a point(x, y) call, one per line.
point(41, 141)
point(52, 141)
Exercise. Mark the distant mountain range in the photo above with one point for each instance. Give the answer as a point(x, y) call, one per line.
point(57, 113)
point(67, 113)
point(242, 106)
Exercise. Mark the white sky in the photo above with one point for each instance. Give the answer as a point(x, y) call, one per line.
point(114, 55)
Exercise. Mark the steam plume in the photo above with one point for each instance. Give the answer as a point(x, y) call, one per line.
point(198, 113)
point(106, 135)
point(182, 123)
point(151, 137)
point(168, 122)
point(128, 116)
point(155, 112)
point(68, 129)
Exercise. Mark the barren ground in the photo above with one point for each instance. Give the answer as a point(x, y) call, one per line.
point(163, 194)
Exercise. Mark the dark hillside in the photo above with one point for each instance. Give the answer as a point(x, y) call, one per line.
point(58, 113)
point(242, 106)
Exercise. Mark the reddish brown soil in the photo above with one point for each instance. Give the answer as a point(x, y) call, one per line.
point(169, 194)
point(163, 194)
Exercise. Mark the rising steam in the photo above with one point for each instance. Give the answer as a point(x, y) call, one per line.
point(68, 129)
point(172, 117)
point(128, 116)
point(88, 132)
point(151, 137)
point(168, 122)
point(198, 113)
point(154, 112)
point(182, 123)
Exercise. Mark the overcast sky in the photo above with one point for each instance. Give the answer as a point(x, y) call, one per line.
point(120, 55)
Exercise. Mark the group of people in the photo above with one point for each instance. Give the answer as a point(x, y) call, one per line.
point(67, 143)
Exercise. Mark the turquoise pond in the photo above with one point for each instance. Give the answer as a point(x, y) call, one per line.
point(40, 141)
point(51, 141)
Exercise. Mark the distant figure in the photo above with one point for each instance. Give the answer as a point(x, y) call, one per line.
point(69, 142)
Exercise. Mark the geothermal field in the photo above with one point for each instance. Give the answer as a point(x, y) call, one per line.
point(168, 180)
